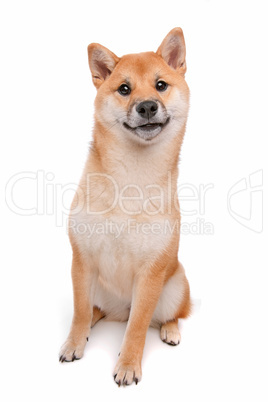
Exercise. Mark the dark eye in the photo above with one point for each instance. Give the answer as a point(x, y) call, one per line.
point(161, 86)
point(124, 90)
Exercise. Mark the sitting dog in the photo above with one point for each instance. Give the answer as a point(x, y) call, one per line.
point(125, 219)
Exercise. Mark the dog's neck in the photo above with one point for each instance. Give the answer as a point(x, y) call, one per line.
point(131, 162)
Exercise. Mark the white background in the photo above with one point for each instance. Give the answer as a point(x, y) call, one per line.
point(46, 123)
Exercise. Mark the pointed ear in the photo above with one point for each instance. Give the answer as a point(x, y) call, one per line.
point(101, 63)
point(173, 50)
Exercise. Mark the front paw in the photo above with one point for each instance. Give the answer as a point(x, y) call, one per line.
point(127, 370)
point(72, 350)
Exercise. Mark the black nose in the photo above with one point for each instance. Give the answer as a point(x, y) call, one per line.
point(147, 109)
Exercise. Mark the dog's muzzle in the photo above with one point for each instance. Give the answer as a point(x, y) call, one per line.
point(150, 120)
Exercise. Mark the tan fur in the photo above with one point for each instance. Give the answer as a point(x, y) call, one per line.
point(97, 315)
point(135, 275)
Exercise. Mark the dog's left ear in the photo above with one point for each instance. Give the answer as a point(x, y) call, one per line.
point(173, 50)
point(101, 62)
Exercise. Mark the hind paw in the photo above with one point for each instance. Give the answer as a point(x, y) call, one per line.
point(170, 333)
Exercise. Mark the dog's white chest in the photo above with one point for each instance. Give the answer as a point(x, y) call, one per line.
point(120, 246)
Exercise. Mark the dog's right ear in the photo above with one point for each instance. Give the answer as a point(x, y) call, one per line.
point(101, 62)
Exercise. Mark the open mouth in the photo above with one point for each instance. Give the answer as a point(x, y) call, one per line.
point(147, 131)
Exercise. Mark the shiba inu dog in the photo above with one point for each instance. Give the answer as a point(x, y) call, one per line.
point(124, 220)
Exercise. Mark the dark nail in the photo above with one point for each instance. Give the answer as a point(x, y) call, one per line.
point(119, 383)
point(136, 380)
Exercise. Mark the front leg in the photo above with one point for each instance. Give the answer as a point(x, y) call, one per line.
point(83, 287)
point(147, 289)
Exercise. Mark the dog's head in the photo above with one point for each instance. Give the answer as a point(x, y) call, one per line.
point(142, 97)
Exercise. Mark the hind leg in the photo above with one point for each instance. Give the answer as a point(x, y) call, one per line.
point(98, 314)
point(174, 303)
